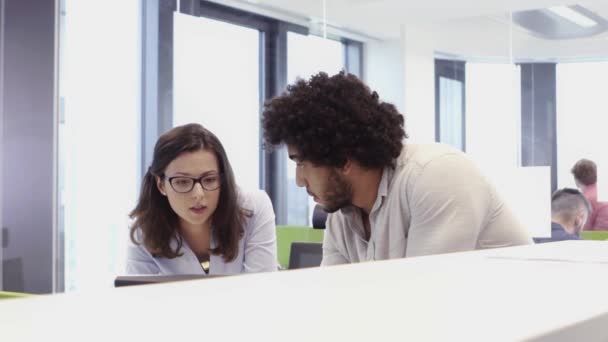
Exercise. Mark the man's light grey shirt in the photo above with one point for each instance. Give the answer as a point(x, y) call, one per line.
point(257, 248)
point(434, 201)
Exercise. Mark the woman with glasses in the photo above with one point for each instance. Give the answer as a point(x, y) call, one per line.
point(191, 218)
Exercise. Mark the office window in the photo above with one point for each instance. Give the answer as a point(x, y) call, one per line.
point(220, 63)
point(450, 112)
point(538, 117)
point(306, 56)
point(581, 129)
point(216, 83)
point(449, 103)
point(98, 137)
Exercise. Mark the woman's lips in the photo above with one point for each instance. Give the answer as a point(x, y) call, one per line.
point(198, 210)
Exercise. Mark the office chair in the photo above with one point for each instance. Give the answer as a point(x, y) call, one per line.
point(286, 235)
point(319, 216)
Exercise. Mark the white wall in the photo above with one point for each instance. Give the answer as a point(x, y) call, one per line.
point(419, 83)
point(482, 38)
point(403, 73)
point(100, 138)
point(493, 112)
point(383, 70)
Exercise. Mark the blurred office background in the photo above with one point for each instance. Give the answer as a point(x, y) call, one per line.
point(88, 86)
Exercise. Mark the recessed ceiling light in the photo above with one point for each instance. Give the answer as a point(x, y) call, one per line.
point(573, 16)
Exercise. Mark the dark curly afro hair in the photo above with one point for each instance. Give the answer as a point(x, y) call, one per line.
point(332, 119)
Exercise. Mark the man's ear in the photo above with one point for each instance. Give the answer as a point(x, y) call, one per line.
point(577, 221)
point(347, 168)
point(160, 185)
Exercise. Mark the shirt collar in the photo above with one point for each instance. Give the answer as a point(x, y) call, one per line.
point(387, 176)
point(174, 242)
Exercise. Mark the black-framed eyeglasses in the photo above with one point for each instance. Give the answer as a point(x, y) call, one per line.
point(183, 184)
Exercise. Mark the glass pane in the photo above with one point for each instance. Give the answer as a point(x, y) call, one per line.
point(565, 47)
point(216, 84)
point(450, 112)
point(328, 56)
point(99, 137)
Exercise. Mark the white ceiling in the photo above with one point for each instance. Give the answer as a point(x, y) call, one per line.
point(489, 37)
point(477, 28)
point(383, 18)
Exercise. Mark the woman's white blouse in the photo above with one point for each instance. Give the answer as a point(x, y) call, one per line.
point(257, 249)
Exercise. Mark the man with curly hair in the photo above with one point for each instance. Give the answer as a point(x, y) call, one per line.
point(585, 177)
point(385, 200)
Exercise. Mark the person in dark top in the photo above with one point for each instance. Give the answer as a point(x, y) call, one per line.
point(569, 212)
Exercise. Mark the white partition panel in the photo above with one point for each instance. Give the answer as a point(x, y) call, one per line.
point(493, 135)
point(99, 136)
point(418, 83)
point(526, 190)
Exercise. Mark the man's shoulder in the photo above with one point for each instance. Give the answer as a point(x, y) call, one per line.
point(423, 154)
point(428, 159)
point(559, 233)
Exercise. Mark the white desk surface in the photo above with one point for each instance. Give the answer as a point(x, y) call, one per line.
point(552, 292)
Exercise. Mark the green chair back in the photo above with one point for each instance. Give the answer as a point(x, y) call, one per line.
point(9, 295)
point(594, 235)
point(288, 234)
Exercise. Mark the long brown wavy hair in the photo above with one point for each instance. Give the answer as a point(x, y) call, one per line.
point(156, 219)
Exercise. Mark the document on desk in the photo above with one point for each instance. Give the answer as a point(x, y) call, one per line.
point(574, 251)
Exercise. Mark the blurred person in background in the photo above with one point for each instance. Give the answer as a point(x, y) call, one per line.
point(585, 177)
point(569, 212)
